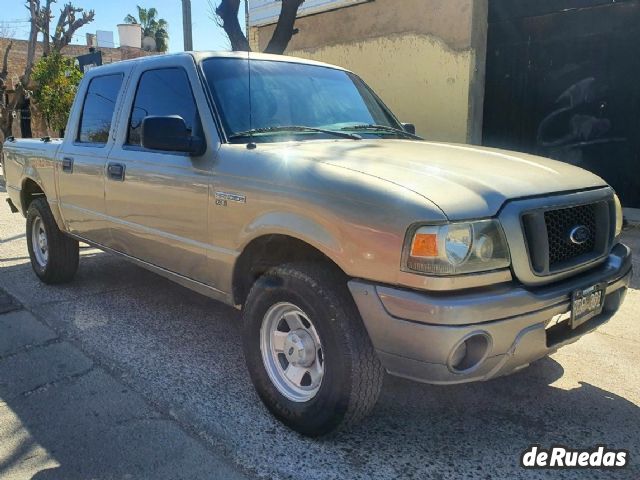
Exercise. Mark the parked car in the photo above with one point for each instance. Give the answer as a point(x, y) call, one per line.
point(286, 188)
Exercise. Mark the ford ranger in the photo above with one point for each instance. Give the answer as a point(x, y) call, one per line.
point(287, 189)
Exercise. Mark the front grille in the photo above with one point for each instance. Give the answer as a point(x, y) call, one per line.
point(548, 234)
point(560, 223)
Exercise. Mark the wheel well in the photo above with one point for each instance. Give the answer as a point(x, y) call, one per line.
point(270, 251)
point(30, 191)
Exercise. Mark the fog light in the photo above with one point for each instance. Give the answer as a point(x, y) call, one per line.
point(470, 353)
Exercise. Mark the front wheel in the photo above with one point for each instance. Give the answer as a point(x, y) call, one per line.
point(307, 350)
point(54, 256)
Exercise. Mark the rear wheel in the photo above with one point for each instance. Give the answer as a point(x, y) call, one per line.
point(307, 350)
point(54, 256)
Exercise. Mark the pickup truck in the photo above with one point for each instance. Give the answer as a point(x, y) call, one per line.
point(353, 247)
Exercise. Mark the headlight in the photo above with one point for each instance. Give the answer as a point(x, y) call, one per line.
point(619, 216)
point(456, 248)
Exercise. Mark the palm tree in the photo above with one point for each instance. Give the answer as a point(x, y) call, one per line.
point(152, 26)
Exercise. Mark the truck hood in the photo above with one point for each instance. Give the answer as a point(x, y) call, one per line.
point(463, 181)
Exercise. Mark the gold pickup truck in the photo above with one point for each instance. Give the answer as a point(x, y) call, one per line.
point(288, 189)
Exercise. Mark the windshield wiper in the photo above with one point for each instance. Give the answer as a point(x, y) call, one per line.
point(294, 128)
point(383, 128)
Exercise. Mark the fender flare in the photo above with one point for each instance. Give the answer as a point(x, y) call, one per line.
point(298, 227)
point(31, 175)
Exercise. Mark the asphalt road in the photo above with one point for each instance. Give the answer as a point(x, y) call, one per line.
point(176, 356)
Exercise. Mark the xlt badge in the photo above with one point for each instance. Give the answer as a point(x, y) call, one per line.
point(223, 197)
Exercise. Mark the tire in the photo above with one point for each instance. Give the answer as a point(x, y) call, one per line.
point(350, 373)
point(56, 260)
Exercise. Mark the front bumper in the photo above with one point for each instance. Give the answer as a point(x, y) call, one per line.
point(416, 333)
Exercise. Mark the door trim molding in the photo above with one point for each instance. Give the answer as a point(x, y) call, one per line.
point(189, 283)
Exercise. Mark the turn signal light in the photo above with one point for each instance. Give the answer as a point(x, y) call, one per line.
point(424, 245)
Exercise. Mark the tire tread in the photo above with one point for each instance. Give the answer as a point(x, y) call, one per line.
point(367, 374)
point(64, 251)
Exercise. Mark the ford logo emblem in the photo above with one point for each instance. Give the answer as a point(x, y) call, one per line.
point(580, 235)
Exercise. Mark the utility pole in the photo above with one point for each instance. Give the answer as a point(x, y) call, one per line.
point(186, 25)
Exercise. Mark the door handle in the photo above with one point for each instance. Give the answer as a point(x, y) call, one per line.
point(67, 164)
point(115, 171)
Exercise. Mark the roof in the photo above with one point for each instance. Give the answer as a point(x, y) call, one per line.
point(260, 56)
point(199, 56)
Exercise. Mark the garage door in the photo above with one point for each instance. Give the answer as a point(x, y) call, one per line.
point(563, 81)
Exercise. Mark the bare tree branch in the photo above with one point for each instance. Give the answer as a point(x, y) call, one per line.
point(5, 67)
point(4, 74)
point(226, 15)
point(68, 24)
point(285, 27)
point(43, 21)
point(40, 18)
point(20, 90)
point(227, 12)
point(34, 11)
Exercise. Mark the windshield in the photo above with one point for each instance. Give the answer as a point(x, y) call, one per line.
point(294, 95)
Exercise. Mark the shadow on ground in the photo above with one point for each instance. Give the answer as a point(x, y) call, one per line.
point(183, 353)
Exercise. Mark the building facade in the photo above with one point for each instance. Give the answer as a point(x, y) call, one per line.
point(556, 78)
point(423, 57)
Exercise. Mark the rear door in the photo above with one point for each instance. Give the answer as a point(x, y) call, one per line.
point(81, 159)
point(157, 201)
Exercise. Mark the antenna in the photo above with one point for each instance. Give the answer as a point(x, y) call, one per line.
point(247, 23)
point(251, 145)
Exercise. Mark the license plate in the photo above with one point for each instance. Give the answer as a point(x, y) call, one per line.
point(586, 304)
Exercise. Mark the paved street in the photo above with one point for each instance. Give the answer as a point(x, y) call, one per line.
point(123, 374)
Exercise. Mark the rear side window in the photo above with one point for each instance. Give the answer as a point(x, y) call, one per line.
point(98, 108)
point(162, 92)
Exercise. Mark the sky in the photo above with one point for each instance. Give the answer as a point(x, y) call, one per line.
point(207, 35)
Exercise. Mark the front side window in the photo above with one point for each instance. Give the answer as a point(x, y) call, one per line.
point(98, 108)
point(293, 94)
point(162, 92)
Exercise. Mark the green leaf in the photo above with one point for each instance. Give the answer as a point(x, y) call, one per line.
point(152, 26)
point(57, 80)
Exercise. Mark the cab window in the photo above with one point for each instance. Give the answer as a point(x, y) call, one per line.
point(98, 108)
point(162, 92)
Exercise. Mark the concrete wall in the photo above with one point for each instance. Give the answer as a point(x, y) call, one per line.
point(425, 58)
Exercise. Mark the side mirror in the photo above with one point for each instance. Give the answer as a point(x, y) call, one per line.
point(170, 134)
point(409, 128)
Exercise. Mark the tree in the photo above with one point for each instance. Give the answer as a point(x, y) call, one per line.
point(57, 80)
point(40, 18)
point(67, 25)
point(227, 16)
point(9, 106)
point(156, 28)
